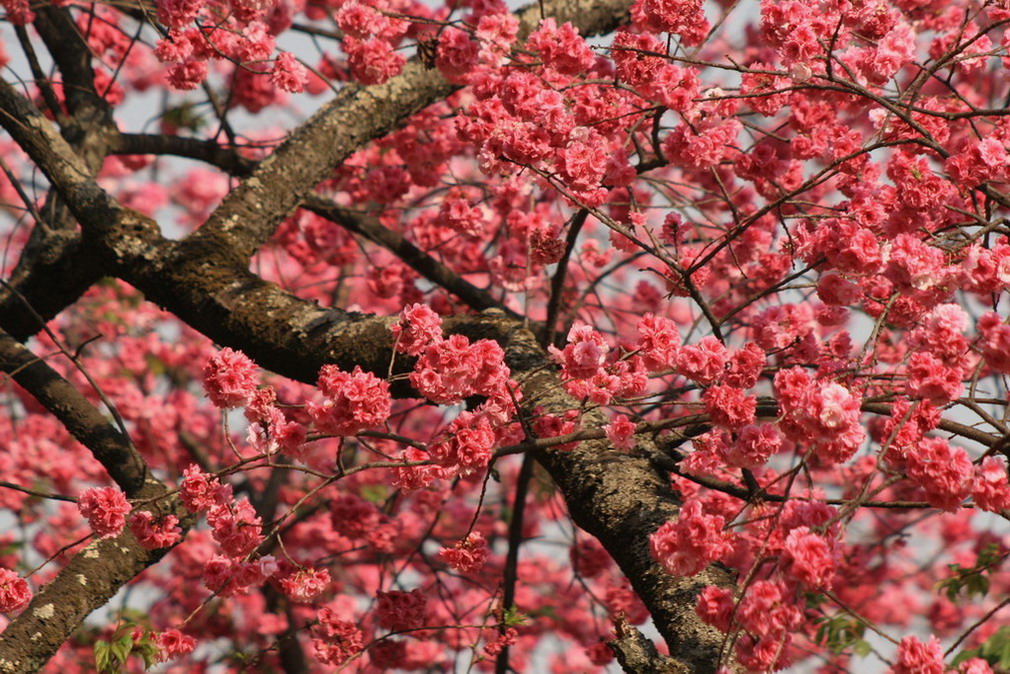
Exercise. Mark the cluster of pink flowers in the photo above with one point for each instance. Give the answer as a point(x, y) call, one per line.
point(468, 555)
point(590, 374)
point(729, 406)
point(15, 592)
point(552, 426)
point(106, 509)
point(154, 532)
point(979, 162)
point(398, 611)
point(289, 74)
point(991, 488)
point(704, 361)
point(808, 558)
point(236, 527)
point(918, 657)
point(943, 471)
point(659, 342)
point(766, 614)
point(468, 445)
point(305, 585)
point(270, 429)
point(417, 328)
point(335, 640)
point(200, 492)
point(457, 55)
point(452, 369)
point(507, 638)
point(230, 379)
point(826, 415)
point(173, 643)
point(753, 446)
point(561, 47)
point(940, 356)
point(994, 341)
point(620, 431)
point(230, 577)
point(688, 544)
point(352, 402)
point(584, 355)
point(355, 518)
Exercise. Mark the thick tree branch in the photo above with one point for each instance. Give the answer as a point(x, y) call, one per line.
point(54, 269)
point(90, 123)
point(51, 275)
point(208, 151)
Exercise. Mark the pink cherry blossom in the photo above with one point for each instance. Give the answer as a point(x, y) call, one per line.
point(15, 593)
point(230, 379)
point(106, 509)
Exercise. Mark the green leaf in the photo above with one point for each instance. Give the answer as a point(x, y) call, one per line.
point(513, 618)
point(102, 656)
point(973, 580)
point(149, 652)
point(842, 632)
point(121, 648)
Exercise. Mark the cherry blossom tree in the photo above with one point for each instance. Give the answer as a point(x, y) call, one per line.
point(592, 335)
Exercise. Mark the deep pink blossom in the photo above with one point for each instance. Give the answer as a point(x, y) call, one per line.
point(373, 60)
point(15, 593)
point(703, 362)
point(230, 379)
point(106, 509)
point(289, 74)
point(991, 488)
point(452, 369)
point(659, 341)
point(942, 470)
point(173, 643)
point(155, 532)
point(399, 610)
point(305, 585)
point(200, 491)
point(468, 555)
point(418, 326)
point(729, 406)
point(808, 558)
point(561, 47)
point(918, 657)
point(352, 402)
point(621, 432)
point(688, 544)
point(335, 640)
point(456, 55)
